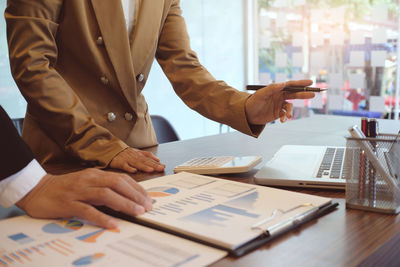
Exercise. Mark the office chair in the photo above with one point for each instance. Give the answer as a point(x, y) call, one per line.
point(18, 124)
point(164, 130)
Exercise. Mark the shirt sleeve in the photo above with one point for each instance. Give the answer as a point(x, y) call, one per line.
point(16, 186)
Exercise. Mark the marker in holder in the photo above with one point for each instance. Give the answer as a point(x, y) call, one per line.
point(384, 188)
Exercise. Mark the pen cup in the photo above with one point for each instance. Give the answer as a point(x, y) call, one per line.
point(371, 183)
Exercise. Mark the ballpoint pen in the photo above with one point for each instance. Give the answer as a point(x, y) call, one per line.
point(290, 88)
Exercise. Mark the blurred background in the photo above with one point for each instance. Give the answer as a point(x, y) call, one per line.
point(349, 47)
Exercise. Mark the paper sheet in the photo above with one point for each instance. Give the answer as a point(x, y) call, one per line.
point(317, 15)
point(280, 60)
point(357, 80)
point(264, 78)
point(378, 58)
point(357, 59)
point(379, 36)
point(298, 59)
point(298, 76)
point(335, 102)
point(264, 41)
point(281, 3)
point(280, 77)
point(317, 39)
point(336, 38)
point(264, 22)
point(377, 103)
point(298, 103)
point(317, 101)
point(337, 14)
point(298, 39)
point(299, 2)
point(218, 210)
point(281, 20)
point(379, 12)
point(357, 37)
point(317, 60)
point(29, 242)
point(335, 80)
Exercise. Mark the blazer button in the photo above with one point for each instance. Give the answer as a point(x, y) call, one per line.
point(111, 116)
point(128, 116)
point(140, 78)
point(99, 40)
point(104, 80)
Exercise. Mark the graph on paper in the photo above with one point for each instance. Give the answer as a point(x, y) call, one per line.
point(89, 259)
point(93, 236)
point(219, 215)
point(34, 243)
point(20, 238)
point(27, 254)
point(162, 191)
point(192, 183)
point(62, 226)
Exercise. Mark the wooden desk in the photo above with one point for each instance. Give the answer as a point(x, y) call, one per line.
point(342, 238)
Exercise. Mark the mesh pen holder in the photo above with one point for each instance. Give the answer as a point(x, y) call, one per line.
point(371, 183)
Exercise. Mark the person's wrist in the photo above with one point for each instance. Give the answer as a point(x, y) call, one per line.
point(26, 200)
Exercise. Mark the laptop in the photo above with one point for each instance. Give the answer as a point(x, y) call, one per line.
point(305, 166)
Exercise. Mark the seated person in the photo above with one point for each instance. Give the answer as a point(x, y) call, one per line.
point(41, 195)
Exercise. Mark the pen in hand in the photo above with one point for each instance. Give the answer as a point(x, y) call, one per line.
point(290, 88)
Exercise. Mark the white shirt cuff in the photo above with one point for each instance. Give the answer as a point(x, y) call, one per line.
point(16, 186)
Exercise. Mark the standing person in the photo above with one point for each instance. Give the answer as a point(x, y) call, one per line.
point(82, 65)
point(24, 182)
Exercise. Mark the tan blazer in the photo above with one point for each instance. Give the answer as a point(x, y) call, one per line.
point(82, 75)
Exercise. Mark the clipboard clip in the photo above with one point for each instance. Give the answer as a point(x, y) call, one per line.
point(281, 226)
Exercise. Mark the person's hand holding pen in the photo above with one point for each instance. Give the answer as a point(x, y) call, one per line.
point(269, 103)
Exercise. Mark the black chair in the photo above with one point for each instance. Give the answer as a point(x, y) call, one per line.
point(164, 130)
point(18, 124)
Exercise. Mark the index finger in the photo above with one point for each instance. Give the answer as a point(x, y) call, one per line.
point(299, 83)
point(125, 186)
point(270, 90)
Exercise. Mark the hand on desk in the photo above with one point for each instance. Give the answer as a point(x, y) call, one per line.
point(73, 194)
point(131, 160)
point(269, 103)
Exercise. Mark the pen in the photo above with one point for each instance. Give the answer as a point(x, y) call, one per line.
point(363, 162)
point(290, 88)
point(372, 132)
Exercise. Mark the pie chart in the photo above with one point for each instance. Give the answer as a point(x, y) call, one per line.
point(162, 191)
point(62, 226)
point(88, 259)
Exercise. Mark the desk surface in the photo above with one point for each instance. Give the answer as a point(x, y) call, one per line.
point(341, 238)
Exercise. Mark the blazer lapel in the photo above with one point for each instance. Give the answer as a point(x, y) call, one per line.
point(110, 17)
point(146, 32)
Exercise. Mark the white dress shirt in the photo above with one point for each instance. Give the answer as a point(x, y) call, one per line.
point(130, 7)
point(16, 186)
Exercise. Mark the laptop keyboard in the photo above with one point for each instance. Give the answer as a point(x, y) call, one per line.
point(331, 165)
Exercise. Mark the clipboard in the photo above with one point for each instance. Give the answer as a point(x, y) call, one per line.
point(242, 250)
point(269, 226)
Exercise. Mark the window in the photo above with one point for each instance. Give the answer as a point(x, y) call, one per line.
point(10, 98)
point(348, 47)
point(217, 36)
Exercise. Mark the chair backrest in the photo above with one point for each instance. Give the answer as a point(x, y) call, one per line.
point(18, 124)
point(164, 130)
